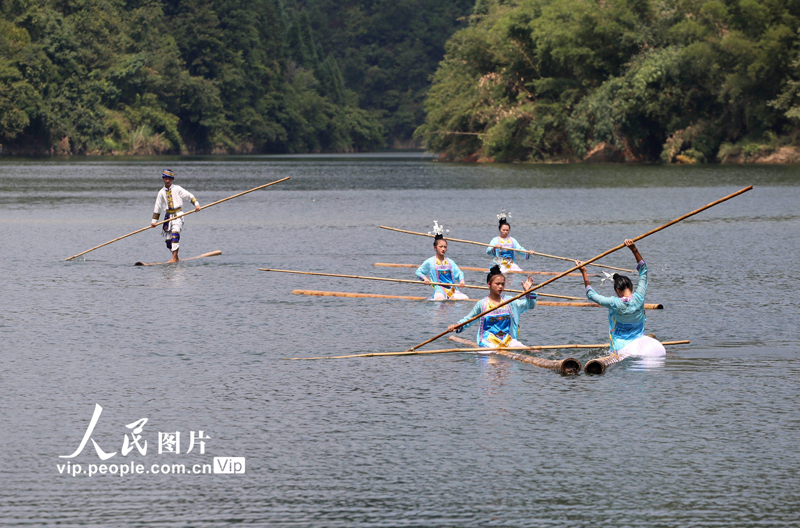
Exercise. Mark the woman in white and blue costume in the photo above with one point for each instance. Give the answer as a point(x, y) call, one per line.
point(626, 311)
point(441, 269)
point(500, 327)
point(504, 245)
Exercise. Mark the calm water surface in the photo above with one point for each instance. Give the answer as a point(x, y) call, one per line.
point(706, 438)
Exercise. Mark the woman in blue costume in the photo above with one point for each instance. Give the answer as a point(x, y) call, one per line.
point(498, 328)
point(441, 269)
point(504, 245)
point(626, 311)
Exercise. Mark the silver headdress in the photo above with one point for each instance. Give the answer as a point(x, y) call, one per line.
point(504, 215)
point(438, 230)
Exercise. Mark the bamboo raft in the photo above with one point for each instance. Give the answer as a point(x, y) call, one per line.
point(320, 293)
point(569, 366)
point(598, 366)
point(468, 268)
point(209, 254)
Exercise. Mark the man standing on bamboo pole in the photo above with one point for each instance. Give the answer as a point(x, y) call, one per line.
point(170, 200)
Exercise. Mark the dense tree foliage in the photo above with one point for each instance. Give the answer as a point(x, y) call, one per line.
point(388, 50)
point(683, 80)
point(166, 76)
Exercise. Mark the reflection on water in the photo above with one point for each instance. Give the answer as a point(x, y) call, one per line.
point(645, 363)
point(396, 441)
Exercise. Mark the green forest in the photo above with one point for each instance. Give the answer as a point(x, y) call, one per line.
point(217, 76)
point(677, 81)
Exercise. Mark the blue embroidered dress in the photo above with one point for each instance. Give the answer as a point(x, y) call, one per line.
point(505, 254)
point(625, 315)
point(445, 271)
point(500, 326)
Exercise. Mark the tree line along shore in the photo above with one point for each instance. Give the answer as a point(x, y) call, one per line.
point(217, 76)
point(677, 81)
point(674, 81)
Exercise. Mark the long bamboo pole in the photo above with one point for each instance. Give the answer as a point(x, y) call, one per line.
point(601, 255)
point(407, 281)
point(465, 349)
point(180, 216)
point(424, 352)
point(469, 343)
point(510, 249)
point(320, 293)
point(484, 270)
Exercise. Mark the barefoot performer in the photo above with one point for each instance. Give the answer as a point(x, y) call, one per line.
point(626, 311)
point(440, 269)
point(170, 200)
point(498, 328)
point(503, 245)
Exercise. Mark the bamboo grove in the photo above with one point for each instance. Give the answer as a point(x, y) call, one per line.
point(216, 76)
point(619, 80)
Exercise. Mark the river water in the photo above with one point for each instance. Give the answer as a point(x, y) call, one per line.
point(707, 437)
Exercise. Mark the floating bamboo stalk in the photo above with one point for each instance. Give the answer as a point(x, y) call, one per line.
point(180, 216)
point(320, 293)
point(510, 249)
point(598, 365)
point(601, 255)
point(568, 366)
point(484, 270)
point(209, 254)
point(407, 281)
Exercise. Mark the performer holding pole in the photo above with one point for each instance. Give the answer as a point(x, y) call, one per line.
point(504, 247)
point(440, 269)
point(626, 311)
point(170, 200)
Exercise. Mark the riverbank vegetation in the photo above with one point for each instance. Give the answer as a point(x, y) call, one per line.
point(216, 76)
point(679, 81)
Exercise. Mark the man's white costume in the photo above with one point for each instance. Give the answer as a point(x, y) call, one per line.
point(170, 201)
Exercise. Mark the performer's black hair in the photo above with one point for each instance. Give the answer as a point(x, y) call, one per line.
point(503, 221)
point(437, 238)
point(621, 283)
point(493, 271)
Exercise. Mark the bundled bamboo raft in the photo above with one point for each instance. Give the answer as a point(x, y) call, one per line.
point(599, 365)
point(569, 366)
point(209, 254)
point(484, 270)
point(320, 293)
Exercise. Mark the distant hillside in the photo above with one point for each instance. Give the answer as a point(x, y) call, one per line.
point(620, 80)
point(216, 76)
